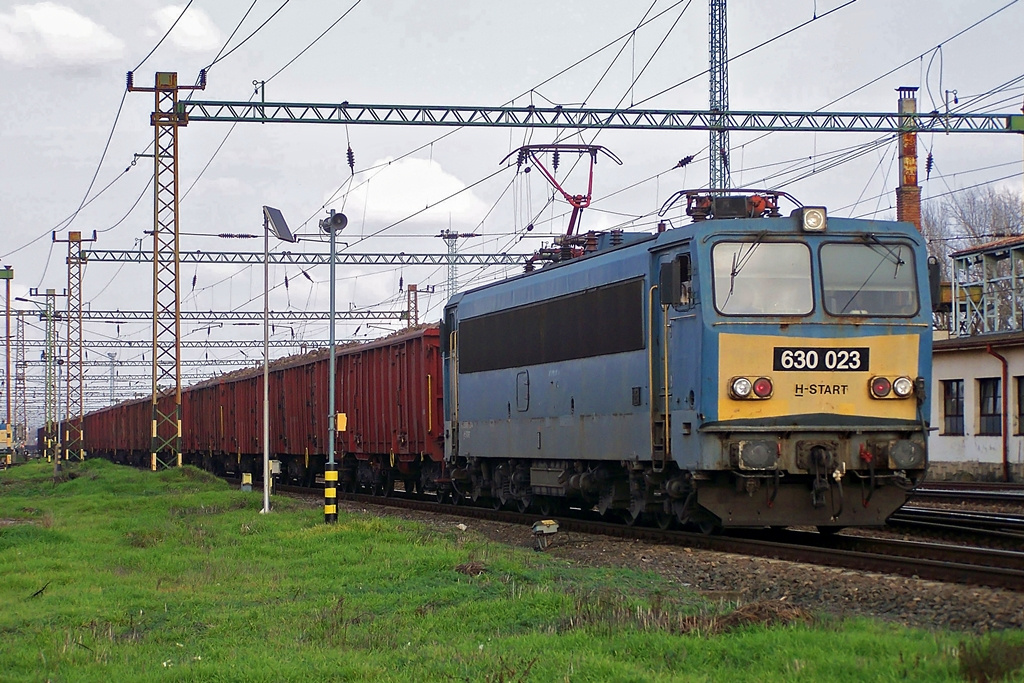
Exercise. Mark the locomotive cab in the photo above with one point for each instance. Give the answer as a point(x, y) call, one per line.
point(820, 343)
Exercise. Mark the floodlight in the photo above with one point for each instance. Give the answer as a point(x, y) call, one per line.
point(278, 225)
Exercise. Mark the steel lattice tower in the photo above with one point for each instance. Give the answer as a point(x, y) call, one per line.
point(50, 399)
point(73, 440)
point(451, 239)
point(165, 450)
point(20, 398)
point(718, 151)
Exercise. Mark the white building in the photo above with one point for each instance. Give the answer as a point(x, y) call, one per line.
point(977, 407)
point(978, 371)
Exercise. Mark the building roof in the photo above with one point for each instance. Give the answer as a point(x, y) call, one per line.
point(997, 245)
point(979, 341)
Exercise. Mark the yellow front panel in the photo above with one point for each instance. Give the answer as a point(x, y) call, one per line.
point(802, 392)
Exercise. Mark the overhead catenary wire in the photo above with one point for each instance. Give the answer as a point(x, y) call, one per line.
point(222, 57)
point(163, 37)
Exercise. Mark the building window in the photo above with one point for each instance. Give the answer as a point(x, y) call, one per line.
point(953, 407)
point(1020, 405)
point(991, 407)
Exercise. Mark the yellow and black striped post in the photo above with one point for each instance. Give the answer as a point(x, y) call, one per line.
point(331, 494)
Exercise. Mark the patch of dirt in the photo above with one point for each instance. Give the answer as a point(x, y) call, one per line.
point(471, 568)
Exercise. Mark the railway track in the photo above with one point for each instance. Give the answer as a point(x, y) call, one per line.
point(995, 525)
point(932, 561)
point(981, 492)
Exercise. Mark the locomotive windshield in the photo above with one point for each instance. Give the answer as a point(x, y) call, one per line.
point(762, 278)
point(875, 279)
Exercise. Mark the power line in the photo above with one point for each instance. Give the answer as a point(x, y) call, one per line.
point(221, 58)
point(162, 39)
point(315, 40)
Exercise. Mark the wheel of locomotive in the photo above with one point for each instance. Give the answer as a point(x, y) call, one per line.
point(665, 520)
point(496, 503)
point(709, 526)
point(632, 518)
point(457, 498)
point(549, 505)
point(523, 504)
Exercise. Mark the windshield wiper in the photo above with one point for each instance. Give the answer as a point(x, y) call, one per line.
point(894, 256)
point(740, 260)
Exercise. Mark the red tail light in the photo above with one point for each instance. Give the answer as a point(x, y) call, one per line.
point(763, 387)
point(880, 387)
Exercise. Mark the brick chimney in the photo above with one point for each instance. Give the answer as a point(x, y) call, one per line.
point(908, 194)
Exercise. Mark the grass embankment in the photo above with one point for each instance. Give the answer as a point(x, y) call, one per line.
point(117, 574)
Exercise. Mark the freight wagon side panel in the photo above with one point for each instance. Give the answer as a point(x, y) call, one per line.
point(199, 415)
point(391, 393)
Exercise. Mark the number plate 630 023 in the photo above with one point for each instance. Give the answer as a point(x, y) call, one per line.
point(843, 359)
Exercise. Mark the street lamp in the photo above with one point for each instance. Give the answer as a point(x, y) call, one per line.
point(273, 220)
point(333, 224)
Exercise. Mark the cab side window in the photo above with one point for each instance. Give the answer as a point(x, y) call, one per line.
point(676, 282)
point(685, 281)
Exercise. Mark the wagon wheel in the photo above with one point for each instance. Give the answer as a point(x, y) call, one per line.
point(523, 504)
point(388, 489)
point(440, 495)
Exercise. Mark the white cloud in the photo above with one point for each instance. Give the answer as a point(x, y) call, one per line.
point(407, 186)
point(34, 35)
point(195, 32)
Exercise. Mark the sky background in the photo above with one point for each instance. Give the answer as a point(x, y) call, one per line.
point(62, 86)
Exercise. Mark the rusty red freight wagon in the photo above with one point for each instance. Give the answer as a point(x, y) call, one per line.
point(389, 389)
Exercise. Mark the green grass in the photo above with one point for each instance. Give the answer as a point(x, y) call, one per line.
point(115, 574)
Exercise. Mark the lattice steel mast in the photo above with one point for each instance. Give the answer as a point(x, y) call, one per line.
point(73, 437)
point(20, 402)
point(451, 238)
point(718, 101)
point(166, 119)
point(51, 429)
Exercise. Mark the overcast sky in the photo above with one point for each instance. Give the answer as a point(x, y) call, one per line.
point(62, 78)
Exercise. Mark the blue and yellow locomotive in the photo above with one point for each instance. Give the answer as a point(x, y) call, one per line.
point(748, 369)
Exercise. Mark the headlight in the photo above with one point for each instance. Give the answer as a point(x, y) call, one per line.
point(903, 387)
point(741, 387)
point(812, 218)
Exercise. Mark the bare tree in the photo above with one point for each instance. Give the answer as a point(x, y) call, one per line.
point(968, 219)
